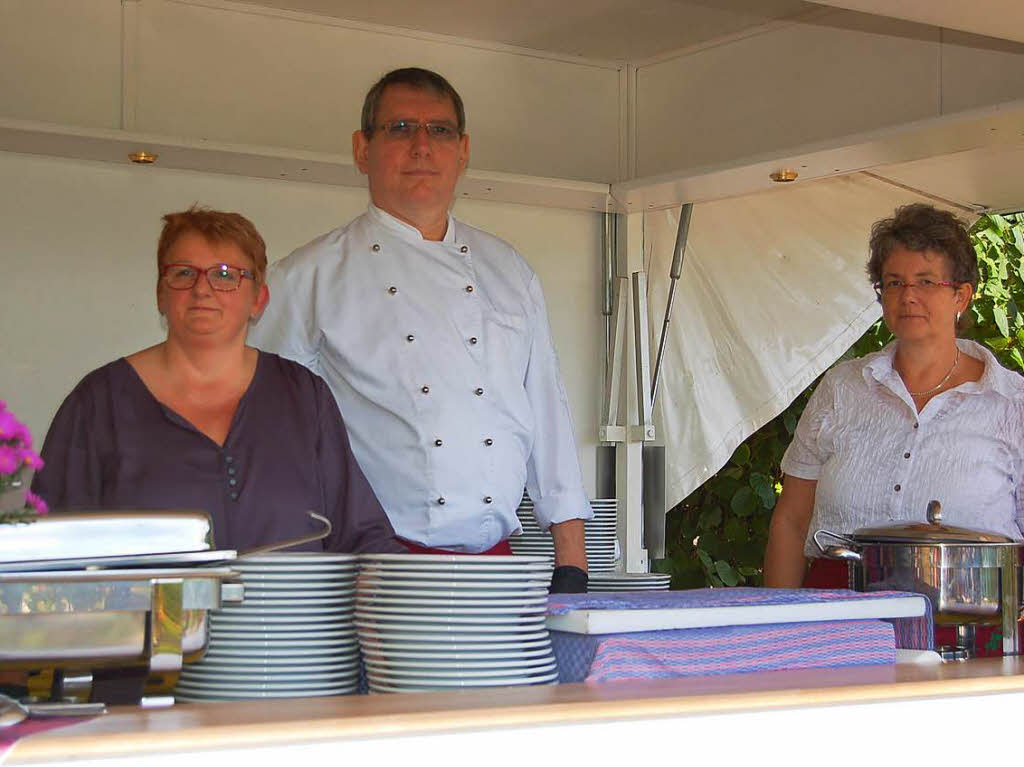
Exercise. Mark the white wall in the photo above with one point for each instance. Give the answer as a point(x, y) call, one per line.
point(229, 72)
point(78, 272)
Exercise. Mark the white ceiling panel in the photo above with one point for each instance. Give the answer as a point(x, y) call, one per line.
point(994, 18)
point(991, 178)
point(597, 29)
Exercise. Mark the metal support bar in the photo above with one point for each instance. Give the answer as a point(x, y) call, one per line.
point(608, 285)
point(610, 430)
point(682, 235)
point(645, 430)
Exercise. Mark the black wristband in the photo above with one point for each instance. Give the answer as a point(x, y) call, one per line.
point(567, 579)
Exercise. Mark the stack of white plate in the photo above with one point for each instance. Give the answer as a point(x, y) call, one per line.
point(629, 582)
point(437, 622)
point(291, 637)
point(600, 531)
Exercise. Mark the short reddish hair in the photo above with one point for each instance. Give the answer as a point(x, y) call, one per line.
point(215, 226)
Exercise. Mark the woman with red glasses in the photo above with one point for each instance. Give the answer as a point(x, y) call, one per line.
point(929, 417)
point(203, 421)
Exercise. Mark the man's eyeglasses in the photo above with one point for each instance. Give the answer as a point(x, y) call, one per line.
point(893, 287)
point(406, 129)
point(222, 277)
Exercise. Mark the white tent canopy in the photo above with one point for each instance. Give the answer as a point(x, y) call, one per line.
point(773, 290)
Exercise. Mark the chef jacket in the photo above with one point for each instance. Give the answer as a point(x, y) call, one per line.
point(441, 360)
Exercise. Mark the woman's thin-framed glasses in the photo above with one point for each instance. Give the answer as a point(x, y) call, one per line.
point(222, 277)
point(892, 287)
point(406, 129)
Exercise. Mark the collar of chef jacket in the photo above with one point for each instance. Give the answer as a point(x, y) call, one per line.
point(407, 231)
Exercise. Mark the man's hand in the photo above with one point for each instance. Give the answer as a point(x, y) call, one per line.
point(570, 576)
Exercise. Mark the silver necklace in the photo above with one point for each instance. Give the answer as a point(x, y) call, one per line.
point(940, 384)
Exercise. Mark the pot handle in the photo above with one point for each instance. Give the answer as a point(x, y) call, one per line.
point(846, 553)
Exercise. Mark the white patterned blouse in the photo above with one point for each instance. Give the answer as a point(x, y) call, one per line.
point(877, 460)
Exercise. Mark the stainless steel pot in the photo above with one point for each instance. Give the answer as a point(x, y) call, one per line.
point(971, 577)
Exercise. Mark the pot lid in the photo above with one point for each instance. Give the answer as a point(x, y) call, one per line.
point(932, 531)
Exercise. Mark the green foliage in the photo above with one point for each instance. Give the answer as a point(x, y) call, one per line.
point(717, 535)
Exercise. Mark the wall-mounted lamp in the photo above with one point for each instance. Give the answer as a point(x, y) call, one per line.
point(783, 176)
point(143, 158)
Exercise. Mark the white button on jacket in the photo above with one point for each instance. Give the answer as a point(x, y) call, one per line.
point(473, 409)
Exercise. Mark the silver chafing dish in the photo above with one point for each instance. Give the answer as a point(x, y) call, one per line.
point(971, 577)
point(91, 595)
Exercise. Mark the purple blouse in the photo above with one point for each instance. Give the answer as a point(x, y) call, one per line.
point(112, 445)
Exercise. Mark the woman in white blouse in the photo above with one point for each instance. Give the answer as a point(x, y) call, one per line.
point(928, 417)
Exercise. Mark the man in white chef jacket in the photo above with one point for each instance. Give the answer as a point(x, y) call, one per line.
point(434, 338)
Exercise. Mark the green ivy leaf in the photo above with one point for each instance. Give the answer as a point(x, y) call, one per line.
point(741, 456)
point(744, 503)
point(736, 530)
point(764, 488)
point(997, 344)
point(789, 421)
point(729, 576)
point(999, 315)
point(1015, 354)
point(710, 518)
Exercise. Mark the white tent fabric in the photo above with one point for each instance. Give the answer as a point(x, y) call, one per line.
point(772, 292)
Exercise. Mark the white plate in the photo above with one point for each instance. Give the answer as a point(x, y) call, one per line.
point(468, 580)
point(300, 558)
point(280, 656)
point(447, 633)
point(447, 665)
point(458, 652)
point(439, 672)
point(460, 593)
point(300, 580)
point(390, 684)
point(200, 697)
point(416, 643)
point(324, 607)
point(275, 635)
point(451, 559)
point(277, 592)
point(533, 607)
point(253, 665)
point(371, 634)
point(200, 677)
point(317, 618)
point(453, 623)
point(210, 690)
point(495, 604)
point(452, 615)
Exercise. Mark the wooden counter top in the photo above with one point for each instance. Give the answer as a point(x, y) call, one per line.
point(261, 723)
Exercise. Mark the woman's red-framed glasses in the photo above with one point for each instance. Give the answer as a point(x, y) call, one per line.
point(222, 277)
point(892, 287)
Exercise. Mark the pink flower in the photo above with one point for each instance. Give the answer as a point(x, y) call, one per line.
point(31, 460)
point(10, 459)
point(37, 503)
point(10, 427)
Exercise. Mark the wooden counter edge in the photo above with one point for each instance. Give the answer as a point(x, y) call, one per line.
point(207, 726)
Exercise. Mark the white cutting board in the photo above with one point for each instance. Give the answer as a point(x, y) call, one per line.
point(660, 619)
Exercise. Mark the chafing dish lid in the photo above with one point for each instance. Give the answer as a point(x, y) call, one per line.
point(932, 531)
point(66, 535)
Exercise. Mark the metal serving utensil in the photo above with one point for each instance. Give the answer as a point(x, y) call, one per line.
point(13, 711)
point(317, 536)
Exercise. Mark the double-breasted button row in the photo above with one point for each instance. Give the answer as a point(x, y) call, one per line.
point(487, 499)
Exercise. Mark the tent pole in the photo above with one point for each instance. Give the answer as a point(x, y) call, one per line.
point(682, 235)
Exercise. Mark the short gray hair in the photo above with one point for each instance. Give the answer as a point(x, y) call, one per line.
point(414, 77)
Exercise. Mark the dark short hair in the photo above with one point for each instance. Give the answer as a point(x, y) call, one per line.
point(413, 77)
point(919, 227)
point(215, 226)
